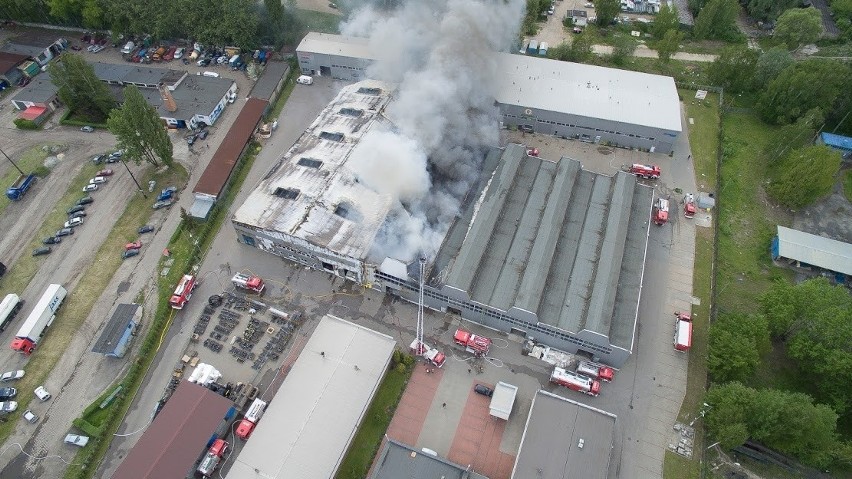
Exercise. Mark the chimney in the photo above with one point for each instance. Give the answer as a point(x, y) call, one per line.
point(168, 101)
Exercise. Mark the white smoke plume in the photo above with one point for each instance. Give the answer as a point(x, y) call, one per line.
point(438, 52)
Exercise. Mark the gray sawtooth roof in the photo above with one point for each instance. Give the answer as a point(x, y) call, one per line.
point(539, 239)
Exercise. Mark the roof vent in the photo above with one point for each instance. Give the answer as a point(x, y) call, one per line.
point(286, 193)
point(327, 135)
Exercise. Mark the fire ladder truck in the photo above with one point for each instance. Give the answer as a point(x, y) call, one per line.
point(418, 347)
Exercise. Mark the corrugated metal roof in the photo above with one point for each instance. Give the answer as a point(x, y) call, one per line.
point(550, 444)
point(588, 91)
point(222, 164)
point(310, 422)
point(397, 460)
point(815, 250)
point(837, 141)
point(115, 328)
point(177, 437)
point(326, 206)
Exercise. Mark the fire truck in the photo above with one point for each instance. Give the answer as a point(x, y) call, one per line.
point(433, 355)
point(212, 458)
point(476, 345)
point(661, 211)
point(247, 282)
point(253, 414)
point(576, 382)
point(651, 172)
point(595, 370)
point(689, 206)
point(183, 291)
point(683, 331)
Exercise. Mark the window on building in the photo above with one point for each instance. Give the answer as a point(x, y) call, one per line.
point(327, 135)
point(287, 193)
point(309, 162)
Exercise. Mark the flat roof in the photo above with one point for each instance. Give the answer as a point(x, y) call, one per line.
point(556, 240)
point(177, 436)
point(265, 86)
point(115, 327)
point(815, 250)
point(216, 175)
point(550, 444)
point(503, 398)
point(397, 460)
point(310, 422)
point(837, 141)
point(40, 90)
point(331, 44)
point(587, 90)
point(132, 73)
point(312, 192)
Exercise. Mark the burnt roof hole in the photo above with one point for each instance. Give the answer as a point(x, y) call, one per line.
point(348, 211)
point(286, 193)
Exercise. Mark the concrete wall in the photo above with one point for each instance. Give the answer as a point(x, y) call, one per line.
point(589, 129)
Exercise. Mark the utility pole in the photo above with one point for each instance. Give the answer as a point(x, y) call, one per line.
point(134, 179)
point(12, 162)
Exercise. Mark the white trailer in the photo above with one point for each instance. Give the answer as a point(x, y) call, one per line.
point(39, 319)
point(9, 309)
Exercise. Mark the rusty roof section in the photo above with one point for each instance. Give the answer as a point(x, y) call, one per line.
point(219, 169)
point(178, 435)
point(9, 61)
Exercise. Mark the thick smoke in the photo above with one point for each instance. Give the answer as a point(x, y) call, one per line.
point(439, 54)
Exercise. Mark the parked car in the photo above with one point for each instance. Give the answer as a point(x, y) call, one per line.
point(73, 222)
point(89, 188)
point(135, 245)
point(42, 393)
point(589, 5)
point(87, 129)
point(145, 229)
point(167, 193)
point(64, 232)
point(525, 128)
point(98, 49)
point(98, 159)
point(12, 375)
point(75, 209)
point(76, 440)
point(41, 251)
point(97, 180)
point(104, 172)
point(7, 393)
point(85, 200)
point(578, 30)
point(52, 240)
point(170, 54)
point(78, 214)
point(30, 417)
point(305, 80)
point(129, 253)
point(163, 204)
point(203, 62)
point(8, 406)
point(484, 390)
point(179, 53)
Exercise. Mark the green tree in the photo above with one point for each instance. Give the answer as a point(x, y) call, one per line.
point(737, 342)
point(768, 10)
point(66, 10)
point(606, 10)
point(139, 130)
point(734, 69)
point(622, 49)
point(79, 88)
point(805, 175)
point(666, 19)
point(842, 8)
point(805, 85)
point(579, 50)
point(669, 45)
point(274, 10)
point(798, 26)
point(716, 20)
point(727, 418)
point(795, 135)
point(770, 64)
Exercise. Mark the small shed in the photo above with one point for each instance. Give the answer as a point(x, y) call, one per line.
point(838, 142)
point(116, 335)
point(503, 400)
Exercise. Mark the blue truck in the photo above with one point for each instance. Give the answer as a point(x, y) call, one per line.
point(20, 187)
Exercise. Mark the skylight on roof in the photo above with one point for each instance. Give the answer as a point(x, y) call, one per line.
point(327, 135)
point(370, 91)
point(287, 193)
point(309, 162)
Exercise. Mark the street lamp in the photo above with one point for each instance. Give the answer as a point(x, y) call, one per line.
point(12, 162)
point(134, 179)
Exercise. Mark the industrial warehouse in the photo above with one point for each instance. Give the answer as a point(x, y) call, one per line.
point(527, 262)
point(572, 100)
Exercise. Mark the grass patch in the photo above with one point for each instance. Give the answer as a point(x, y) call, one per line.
point(847, 184)
point(322, 22)
point(703, 136)
point(746, 219)
point(185, 253)
point(96, 278)
point(32, 161)
point(367, 440)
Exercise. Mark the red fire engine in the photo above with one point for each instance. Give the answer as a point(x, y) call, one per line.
point(644, 171)
point(183, 291)
point(477, 345)
point(661, 211)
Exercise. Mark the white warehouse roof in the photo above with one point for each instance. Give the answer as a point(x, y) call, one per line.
point(588, 91)
point(310, 422)
point(330, 44)
point(815, 250)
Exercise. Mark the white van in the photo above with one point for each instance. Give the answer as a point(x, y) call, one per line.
point(305, 80)
point(128, 47)
point(211, 74)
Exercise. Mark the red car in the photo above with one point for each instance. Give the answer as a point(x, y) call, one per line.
point(170, 54)
point(136, 245)
point(106, 172)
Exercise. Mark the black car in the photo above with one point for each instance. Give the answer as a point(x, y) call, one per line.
point(41, 251)
point(75, 209)
point(484, 390)
point(85, 200)
point(98, 159)
point(65, 232)
point(78, 214)
point(145, 229)
point(129, 253)
point(52, 240)
point(7, 393)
